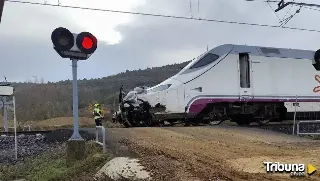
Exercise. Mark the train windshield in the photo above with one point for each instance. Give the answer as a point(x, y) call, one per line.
point(206, 60)
point(200, 62)
point(191, 63)
point(160, 88)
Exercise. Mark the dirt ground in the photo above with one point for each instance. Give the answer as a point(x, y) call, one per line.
point(216, 153)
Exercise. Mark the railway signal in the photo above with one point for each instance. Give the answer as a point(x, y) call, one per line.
point(75, 47)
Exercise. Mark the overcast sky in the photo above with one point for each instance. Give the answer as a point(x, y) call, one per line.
point(128, 42)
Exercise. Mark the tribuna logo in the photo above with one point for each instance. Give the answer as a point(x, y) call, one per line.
point(293, 169)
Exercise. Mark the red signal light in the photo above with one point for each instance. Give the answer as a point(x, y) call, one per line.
point(86, 42)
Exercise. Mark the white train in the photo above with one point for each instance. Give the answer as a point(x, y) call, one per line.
point(236, 82)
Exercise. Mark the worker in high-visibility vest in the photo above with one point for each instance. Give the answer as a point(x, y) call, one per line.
point(97, 115)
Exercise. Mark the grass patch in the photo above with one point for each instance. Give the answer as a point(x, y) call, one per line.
point(53, 167)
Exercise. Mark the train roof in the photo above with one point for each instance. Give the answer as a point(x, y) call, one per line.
point(263, 51)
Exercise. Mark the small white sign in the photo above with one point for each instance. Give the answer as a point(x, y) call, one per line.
point(6, 90)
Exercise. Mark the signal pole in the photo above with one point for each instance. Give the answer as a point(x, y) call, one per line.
point(76, 135)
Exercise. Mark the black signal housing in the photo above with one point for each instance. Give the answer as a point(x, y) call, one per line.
point(72, 45)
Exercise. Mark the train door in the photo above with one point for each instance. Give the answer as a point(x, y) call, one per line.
point(245, 77)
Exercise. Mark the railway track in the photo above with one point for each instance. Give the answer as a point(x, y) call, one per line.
point(10, 133)
point(289, 128)
point(269, 125)
point(284, 127)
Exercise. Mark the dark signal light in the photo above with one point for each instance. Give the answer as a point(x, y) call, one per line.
point(62, 39)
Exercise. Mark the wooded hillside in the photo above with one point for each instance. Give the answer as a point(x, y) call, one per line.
point(38, 101)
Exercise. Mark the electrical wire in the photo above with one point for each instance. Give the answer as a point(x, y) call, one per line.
point(263, 1)
point(311, 8)
point(292, 3)
point(274, 12)
point(167, 16)
point(288, 11)
point(290, 17)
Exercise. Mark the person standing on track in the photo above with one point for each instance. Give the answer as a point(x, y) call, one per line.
point(97, 115)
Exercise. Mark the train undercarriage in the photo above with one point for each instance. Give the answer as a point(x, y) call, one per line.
point(242, 113)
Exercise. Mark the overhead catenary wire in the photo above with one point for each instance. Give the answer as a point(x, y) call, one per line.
point(198, 6)
point(274, 12)
point(286, 19)
point(190, 8)
point(305, 5)
point(167, 16)
point(311, 8)
point(288, 10)
point(290, 17)
point(263, 1)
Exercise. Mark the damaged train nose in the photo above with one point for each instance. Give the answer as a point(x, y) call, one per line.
point(169, 93)
point(137, 106)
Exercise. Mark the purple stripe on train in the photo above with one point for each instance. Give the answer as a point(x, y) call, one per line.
point(199, 104)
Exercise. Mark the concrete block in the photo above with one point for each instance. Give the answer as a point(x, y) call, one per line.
point(75, 151)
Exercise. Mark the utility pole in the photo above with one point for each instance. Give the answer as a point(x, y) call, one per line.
point(283, 4)
point(1, 8)
point(5, 114)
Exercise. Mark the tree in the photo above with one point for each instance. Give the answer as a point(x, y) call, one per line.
point(42, 80)
point(55, 99)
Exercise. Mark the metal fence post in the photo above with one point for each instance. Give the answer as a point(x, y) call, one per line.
point(104, 140)
point(5, 114)
point(103, 144)
point(294, 117)
point(15, 129)
point(97, 134)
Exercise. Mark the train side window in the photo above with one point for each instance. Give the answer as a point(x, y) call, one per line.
point(207, 59)
point(295, 104)
point(244, 63)
point(269, 50)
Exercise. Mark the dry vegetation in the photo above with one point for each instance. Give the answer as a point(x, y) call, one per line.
point(52, 166)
